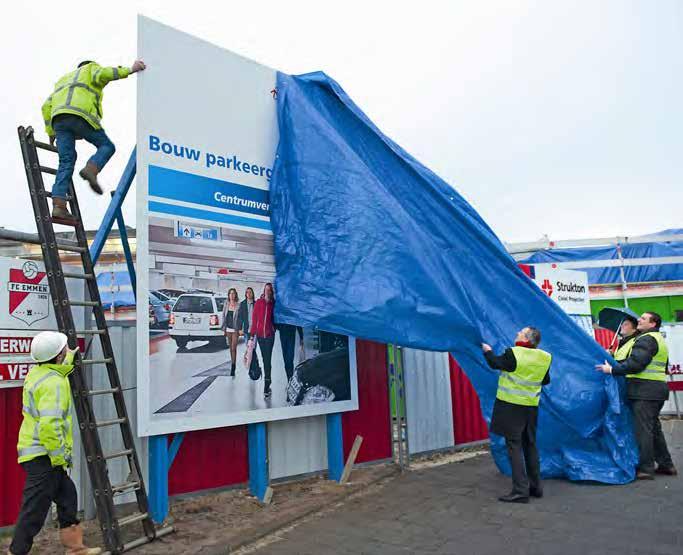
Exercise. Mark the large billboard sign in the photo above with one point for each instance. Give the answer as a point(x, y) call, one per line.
point(568, 288)
point(209, 352)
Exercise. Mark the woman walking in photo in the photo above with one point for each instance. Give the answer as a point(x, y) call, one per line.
point(263, 329)
point(231, 325)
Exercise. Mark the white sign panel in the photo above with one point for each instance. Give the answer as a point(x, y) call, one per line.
point(568, 288)
point(207, 135)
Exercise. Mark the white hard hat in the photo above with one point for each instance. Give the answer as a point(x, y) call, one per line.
point(47, 345)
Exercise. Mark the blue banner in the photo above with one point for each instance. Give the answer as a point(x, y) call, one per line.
point(198, 189)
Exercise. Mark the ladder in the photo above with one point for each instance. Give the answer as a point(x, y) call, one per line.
point(111, 524)
point(397, 399)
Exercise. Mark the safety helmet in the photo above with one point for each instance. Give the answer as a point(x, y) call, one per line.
point(47, 345)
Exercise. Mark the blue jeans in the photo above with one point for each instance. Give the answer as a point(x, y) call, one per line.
point(68, 128)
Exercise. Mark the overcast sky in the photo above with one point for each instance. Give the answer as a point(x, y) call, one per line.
point(558, 118)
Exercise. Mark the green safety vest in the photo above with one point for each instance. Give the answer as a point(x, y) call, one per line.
point(623, 352)
point(47, 427)
point(80, 93)
point(656, 370)
point(523, 386)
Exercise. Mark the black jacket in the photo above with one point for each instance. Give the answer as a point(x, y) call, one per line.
point(644, 349)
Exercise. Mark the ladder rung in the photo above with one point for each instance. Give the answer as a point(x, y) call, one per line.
point(72, 247)
point(45, 146)
point(49, 195)
point(137, 517)
point(77, 276)
point(118, 454)
point(97, 360)
point(90, 332)
point(45, 169)
point(94, 392)
point(112, 422)
point(84, 303)
point(125, 486)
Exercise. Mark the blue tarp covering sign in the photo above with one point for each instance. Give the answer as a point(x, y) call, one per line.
point(370, 243)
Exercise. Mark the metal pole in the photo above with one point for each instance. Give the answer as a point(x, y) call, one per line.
point(404, 409)
point(624, 285)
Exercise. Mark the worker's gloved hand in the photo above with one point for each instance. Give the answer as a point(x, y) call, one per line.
point(486, 347)
point(53, 138)
point(138, 65)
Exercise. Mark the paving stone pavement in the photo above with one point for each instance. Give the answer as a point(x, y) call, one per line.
point(453, 509)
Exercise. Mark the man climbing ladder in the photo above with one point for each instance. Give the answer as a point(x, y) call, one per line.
point(74, 111)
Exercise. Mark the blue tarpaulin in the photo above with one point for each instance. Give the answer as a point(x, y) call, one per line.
point(370, 243)
point(633, 274)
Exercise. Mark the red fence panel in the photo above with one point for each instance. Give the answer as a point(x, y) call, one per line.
point(468, 422)
point(371, 420)
point(210, 459)
point(11, 474)
point(604, 337)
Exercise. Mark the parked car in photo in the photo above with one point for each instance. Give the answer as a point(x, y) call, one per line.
point(168, 301)
point(172, 294)
point(159, 311)
point(197, 317)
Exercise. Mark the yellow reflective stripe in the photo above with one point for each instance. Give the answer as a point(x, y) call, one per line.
point(657, 363)
point(52, 412)
point(521, 393)
point(33, 450)
point(87, 115)
point(520, 381)
point(71, 90)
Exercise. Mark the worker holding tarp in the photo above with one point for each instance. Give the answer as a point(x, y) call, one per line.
point(524, 371)
point(642, 356)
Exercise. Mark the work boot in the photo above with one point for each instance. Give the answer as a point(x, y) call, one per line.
point(72, 539)
point(60, 213)
point(667, 470)
point(514, 498)
point(536, 492)
point(89, 173)
point(640, 475)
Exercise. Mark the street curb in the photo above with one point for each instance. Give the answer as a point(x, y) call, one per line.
point(276, 526)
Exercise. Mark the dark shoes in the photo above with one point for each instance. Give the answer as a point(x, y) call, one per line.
point(89, 173)
point(514, 498)
point(60, 213)
point(536, 492)
point(640, 475)
point(667, 470)
point(267, 392)
point(232, 370)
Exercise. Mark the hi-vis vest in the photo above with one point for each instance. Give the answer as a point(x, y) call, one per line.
point(623, 352)
point(80, 93)
point(47, 427)
point(523, 386)
point(656, 370)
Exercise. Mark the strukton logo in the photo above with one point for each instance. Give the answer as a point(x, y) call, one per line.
point(29, 294)
point(547, 287)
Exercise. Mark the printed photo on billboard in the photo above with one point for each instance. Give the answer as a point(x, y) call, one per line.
point(210, 350)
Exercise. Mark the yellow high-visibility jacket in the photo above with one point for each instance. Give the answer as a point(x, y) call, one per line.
point(47, 428)
point(79, 92)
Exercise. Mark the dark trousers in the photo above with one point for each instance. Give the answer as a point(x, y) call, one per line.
point(266, 346)
point(44, 484)
point(648, 431)
point(68, 128)
point(523, 453)
point(288, 344)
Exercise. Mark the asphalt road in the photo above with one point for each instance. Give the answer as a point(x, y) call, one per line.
point(453, 509)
